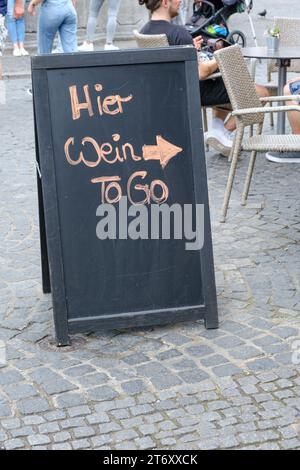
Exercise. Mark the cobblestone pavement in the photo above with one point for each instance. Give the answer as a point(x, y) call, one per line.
point(174, 387)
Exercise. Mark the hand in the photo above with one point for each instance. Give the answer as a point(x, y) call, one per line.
point(18, 9)
point(198, 41)
point(31, 8)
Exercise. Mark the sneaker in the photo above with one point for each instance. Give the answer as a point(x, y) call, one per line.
point(230, 134)
point(23, 51)
point(17, 52)
point(29, 91)
point(57, 50)
point(110, 47)
point(86, 47)
point(283, 157)
point(219, 140)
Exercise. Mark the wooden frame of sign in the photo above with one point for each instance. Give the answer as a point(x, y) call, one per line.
point(136, 95)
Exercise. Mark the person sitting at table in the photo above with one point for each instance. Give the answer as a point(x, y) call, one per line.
point(291, 88)
point(213, 92)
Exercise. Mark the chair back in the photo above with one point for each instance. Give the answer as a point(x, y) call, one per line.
point(150, 40)
point(239, 84)
point(289, 37)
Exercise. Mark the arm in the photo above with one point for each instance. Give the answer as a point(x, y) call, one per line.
point(32, 5)
point(18, 9)
point(207, 68)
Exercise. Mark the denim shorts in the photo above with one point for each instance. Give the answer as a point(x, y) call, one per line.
point(295, 88)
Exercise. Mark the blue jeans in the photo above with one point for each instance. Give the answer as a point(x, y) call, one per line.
point(53, 19)
point(16, 28)
point(112, 13)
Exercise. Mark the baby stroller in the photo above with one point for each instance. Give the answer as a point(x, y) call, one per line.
point(210, 18)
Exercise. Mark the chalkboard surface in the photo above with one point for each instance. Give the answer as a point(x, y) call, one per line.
point(122, 129)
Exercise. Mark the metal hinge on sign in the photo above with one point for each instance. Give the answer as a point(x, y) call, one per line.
point(38, 169)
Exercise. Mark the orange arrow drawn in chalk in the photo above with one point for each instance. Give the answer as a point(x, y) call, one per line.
point(164, 151)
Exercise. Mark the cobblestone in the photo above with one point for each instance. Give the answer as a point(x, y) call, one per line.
point(38, 439)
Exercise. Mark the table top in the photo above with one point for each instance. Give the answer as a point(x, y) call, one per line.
point(264, 53)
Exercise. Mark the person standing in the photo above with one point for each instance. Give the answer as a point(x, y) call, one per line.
point(56, 16)
point(18, 13)
point(16, 29)
point(111, 25)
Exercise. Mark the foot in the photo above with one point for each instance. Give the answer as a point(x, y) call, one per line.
point(283, 157)
point(17, 52)
point(23, 51)
point(86, 47)
point(219, 140)
point(110, 47)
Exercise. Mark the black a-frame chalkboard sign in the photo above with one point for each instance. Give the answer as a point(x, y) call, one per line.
point(119, 141)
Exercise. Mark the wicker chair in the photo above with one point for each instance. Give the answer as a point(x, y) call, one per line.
point(289, 37)
point(145, 41)
point(248, 110)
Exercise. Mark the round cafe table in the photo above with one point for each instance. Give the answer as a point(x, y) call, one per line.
point(283, 57)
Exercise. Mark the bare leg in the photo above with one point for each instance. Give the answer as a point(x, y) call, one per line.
point(262, 92)
point(293, 116)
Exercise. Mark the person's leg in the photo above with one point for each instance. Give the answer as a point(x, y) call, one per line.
point(49, 22)
point(294, 116)
point(68, 30)
point(262, 92)
point(95, 7)
point(213, 93)
point(113, 10)
point(58, 49)
point(20, 24)
point(11, 25)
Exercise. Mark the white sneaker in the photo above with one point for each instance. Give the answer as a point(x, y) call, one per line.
point(110, 47)
point(219, 140)
point(23, 51)
point(283, 157)
point(86, 47)
point(17, 52)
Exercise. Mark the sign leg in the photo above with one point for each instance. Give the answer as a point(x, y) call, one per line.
point(43, 242)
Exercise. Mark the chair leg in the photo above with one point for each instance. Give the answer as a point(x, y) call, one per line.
point(205, 124)
point(235, 156)
point(271, 117)
point(248, 178)
point(250, 170)
point(232, 149)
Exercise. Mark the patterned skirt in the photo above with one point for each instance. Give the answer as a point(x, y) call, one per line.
point(3, 33)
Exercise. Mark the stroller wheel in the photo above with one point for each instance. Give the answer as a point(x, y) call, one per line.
point(237, 37)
